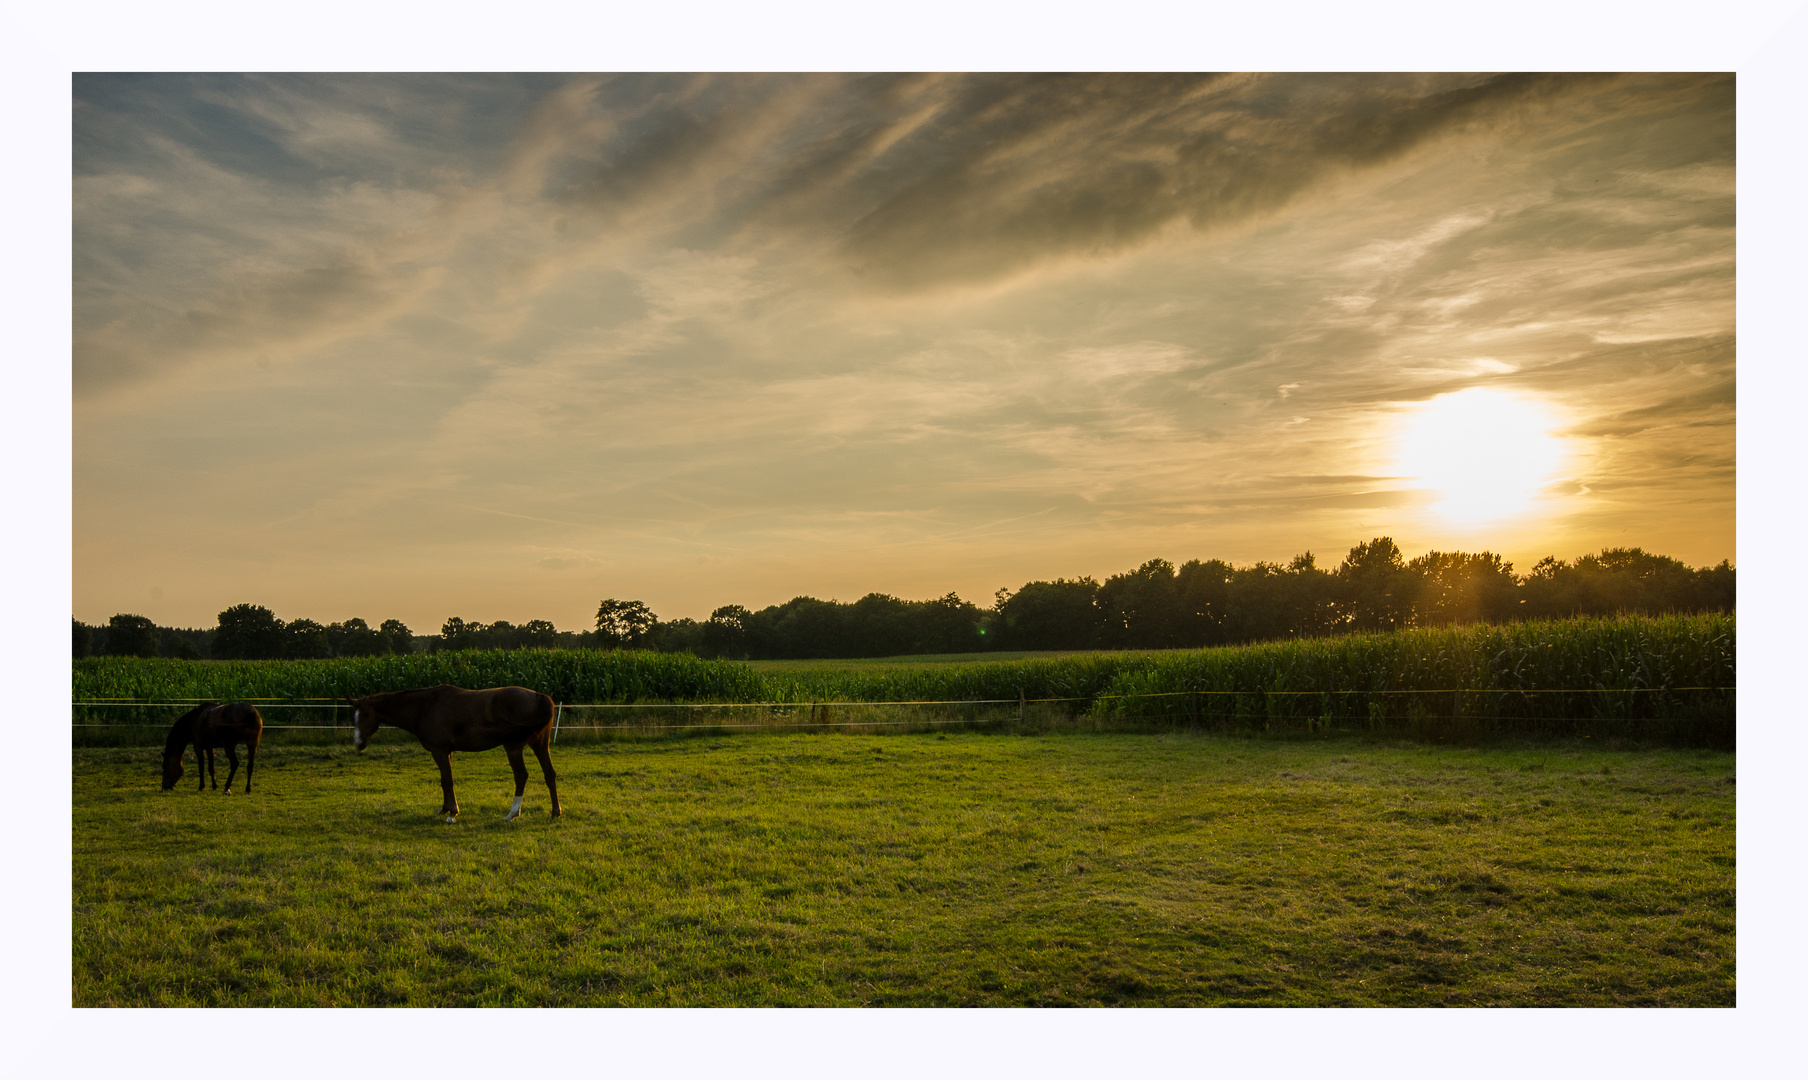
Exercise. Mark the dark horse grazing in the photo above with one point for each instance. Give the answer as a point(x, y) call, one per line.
point(446, 719)
point(208, 727)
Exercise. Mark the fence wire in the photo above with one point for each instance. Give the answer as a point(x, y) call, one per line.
point(1264, 709)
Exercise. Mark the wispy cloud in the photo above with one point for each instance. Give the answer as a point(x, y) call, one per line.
point(722, 338)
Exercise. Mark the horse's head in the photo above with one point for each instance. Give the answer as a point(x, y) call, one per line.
point(172, 769)
point(364, 722)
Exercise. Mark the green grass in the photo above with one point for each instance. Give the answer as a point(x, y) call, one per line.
point(960, 869)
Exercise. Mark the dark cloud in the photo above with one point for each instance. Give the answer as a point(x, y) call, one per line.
point(925, 180)
point(667, 137)
point(255, 316)
point(1709, 403)
point(1013, 170)
point(674, 148)
point(303, 130)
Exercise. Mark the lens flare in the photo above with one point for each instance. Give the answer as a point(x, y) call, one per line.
point(1486, 454)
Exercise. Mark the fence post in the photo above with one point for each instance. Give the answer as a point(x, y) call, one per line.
point(1022, 702)
point(557, 712)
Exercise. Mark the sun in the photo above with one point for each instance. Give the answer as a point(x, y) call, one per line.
point(1485, 454)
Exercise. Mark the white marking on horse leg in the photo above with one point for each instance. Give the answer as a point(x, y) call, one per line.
point(515, 810)
point(450, 818)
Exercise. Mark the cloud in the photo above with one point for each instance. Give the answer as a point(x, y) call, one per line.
point(464, 330)
point(1017, 170)
point(280, 313)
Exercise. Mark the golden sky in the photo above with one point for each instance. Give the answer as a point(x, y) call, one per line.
point(499, 347)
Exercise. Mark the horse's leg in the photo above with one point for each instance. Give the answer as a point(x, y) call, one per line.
point(232, 759)
point(540, 744)
point(250, 760)
point(520, 767)
point(449, 807)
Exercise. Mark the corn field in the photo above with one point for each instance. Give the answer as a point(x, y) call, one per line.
point(1659, 677)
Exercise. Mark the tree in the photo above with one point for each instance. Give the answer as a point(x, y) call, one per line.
point(678, 636)
point(1377, 587)
point(1058, 614)
point(946, 624)
point(1457, 587)
point(457, 635)
point(354, 637)
point(624, 623)
point(725, 634)
point(877, 624)
point(1265, 602)
point(248, 632)
point(537, 634)
point(1311, 596)
point(1270, 602)
point(84, 639)
point(1623, 580)
point(1204, 594)
point(1632, 579)
point(307, 640)
point(1142, 608)
point(177, 646)
point(804, 626)
point(1716, 587)
point(132, 635)
point(401, 639)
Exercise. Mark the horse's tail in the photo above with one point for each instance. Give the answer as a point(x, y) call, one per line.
point(252, 720)
point(545, 711)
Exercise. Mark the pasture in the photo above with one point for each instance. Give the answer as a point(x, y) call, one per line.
point(955, 868)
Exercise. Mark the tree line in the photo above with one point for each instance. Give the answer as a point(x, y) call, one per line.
point(1211, 602)
point(244, 632)
point(1155, 606)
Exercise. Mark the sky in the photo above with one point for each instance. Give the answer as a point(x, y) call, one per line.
point(499, 347)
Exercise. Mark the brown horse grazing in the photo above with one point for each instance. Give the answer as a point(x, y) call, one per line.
point(207, 727)
point(446, 718)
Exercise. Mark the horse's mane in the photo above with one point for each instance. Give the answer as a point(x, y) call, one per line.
point(398, 702)
point(391, 695)
point(183, 730)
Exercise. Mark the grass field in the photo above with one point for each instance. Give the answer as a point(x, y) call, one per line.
point(918, 869)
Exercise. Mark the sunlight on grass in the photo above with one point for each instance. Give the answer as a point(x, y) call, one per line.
point(918, 870)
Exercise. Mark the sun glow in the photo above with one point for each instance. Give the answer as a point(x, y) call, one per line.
point(1485, 454)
